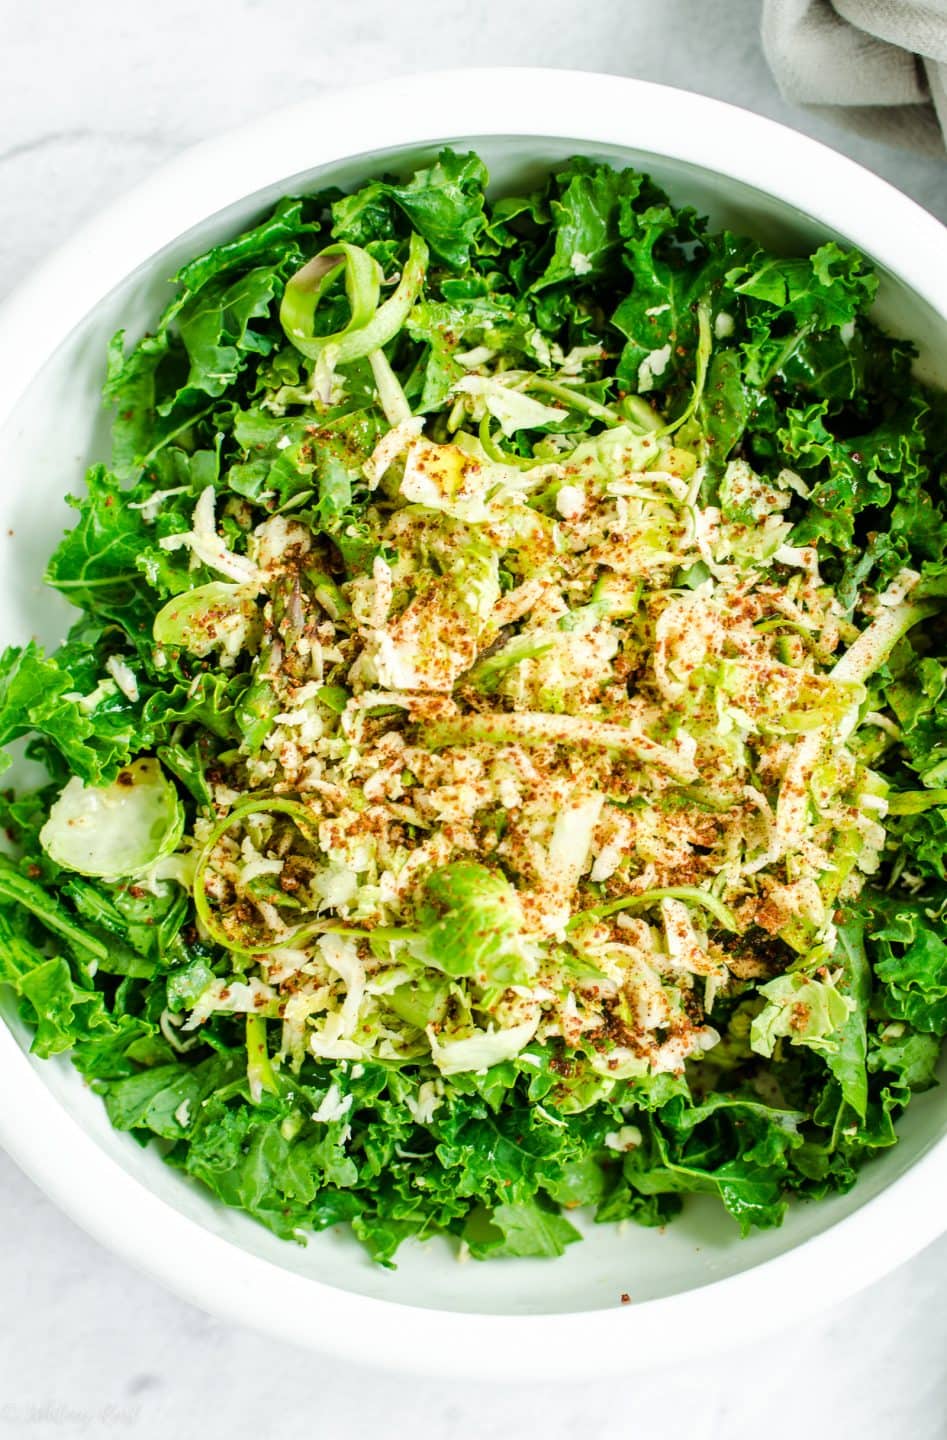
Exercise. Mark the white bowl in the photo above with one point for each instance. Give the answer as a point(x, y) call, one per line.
point(698, 1285)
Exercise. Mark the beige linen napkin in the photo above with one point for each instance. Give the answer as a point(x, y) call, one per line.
point(879, 66)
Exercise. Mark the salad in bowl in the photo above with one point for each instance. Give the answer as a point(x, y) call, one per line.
point(499, 766)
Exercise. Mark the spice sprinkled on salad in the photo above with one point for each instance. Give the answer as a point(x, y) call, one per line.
point(500, 766)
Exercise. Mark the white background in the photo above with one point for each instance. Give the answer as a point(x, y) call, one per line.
point(93, 96)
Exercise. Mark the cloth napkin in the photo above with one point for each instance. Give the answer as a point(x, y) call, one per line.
point(879, 66)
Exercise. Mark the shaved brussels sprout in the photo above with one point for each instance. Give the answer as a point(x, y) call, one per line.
point(118, 830)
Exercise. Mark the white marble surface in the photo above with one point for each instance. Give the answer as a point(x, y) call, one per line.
point(92, 96)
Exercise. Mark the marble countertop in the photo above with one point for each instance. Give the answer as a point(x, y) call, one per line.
point(93, 97)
